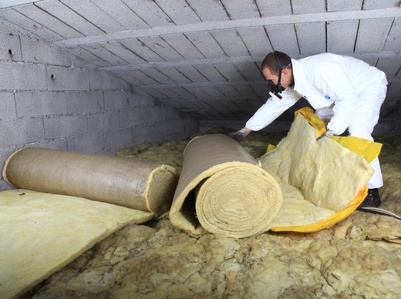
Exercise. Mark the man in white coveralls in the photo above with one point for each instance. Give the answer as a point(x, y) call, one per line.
point(344, 91)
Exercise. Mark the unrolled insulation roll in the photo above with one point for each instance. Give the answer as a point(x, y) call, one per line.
point(126, 182)
point(223, 190)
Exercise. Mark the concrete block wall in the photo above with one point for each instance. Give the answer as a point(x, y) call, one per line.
point(50, 98)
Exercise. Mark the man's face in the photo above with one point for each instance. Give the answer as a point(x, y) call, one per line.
point(286, 77)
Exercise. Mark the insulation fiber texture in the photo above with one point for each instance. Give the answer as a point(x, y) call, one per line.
point(145, 186)
point(223, 190)
point(156, 260)
point(40, 233)
point(322, 181)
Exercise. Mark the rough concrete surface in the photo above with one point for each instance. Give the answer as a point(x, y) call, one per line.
point(353, 259)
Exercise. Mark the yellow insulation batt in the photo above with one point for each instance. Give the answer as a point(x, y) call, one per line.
point(40, 233)
point(223, 190)
point(322, 181)
point(146, 186)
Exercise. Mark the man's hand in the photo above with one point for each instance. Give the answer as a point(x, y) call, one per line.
point(239, 135)
point(325, 134)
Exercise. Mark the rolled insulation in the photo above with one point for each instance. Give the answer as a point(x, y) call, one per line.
point(126, 182)
point(223, 190)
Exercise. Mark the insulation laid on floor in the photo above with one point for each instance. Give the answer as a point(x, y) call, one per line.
point(40, 233)
point(146, 186)
point(87, 197)
point(223, 190)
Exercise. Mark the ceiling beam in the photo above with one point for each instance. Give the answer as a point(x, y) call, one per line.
point(233, 24)
point(12, 3)
point(235, 60)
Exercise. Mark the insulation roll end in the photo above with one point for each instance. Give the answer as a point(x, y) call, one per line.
point(238, 201)
point(160, 190)
point(6, 163)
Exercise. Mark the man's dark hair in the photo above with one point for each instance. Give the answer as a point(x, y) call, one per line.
point(276, 61)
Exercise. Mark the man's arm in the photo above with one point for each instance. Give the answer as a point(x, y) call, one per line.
point(267, 113)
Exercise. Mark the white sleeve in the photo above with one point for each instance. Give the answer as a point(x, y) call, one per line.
point(272, 109)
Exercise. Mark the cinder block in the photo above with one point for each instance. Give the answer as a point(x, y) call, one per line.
point(65, 126)
point(53, 144)
point(170, 112)
point(34, 104)
point(139, 116)
point(7, 104)
point(102, 122)
point(67, 78)
point(21, 131)
point(84, 102)
point(166, 129)
point(138, 100)
point(105, 143)
point(117, 100)
point(124, 118)
point(88, 143)
point(96, 122)
point(175, 128)
point(142, 133)
point(191, 127)
point(155, 126)
point(111, 120)
point(22, 76)
point(10, 47)
point(40, 52)
point(100, 80)
point(117, 139)
point(147, 115)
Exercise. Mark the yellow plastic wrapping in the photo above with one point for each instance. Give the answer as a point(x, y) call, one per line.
point(313, 120)
point(366, 148)
point(329, 221)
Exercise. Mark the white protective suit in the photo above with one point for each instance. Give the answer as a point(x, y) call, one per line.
point(352, 90)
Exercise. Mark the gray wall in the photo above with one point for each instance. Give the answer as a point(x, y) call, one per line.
point(49, 98)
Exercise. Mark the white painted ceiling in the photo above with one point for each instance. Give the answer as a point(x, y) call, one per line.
point(203, 56)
